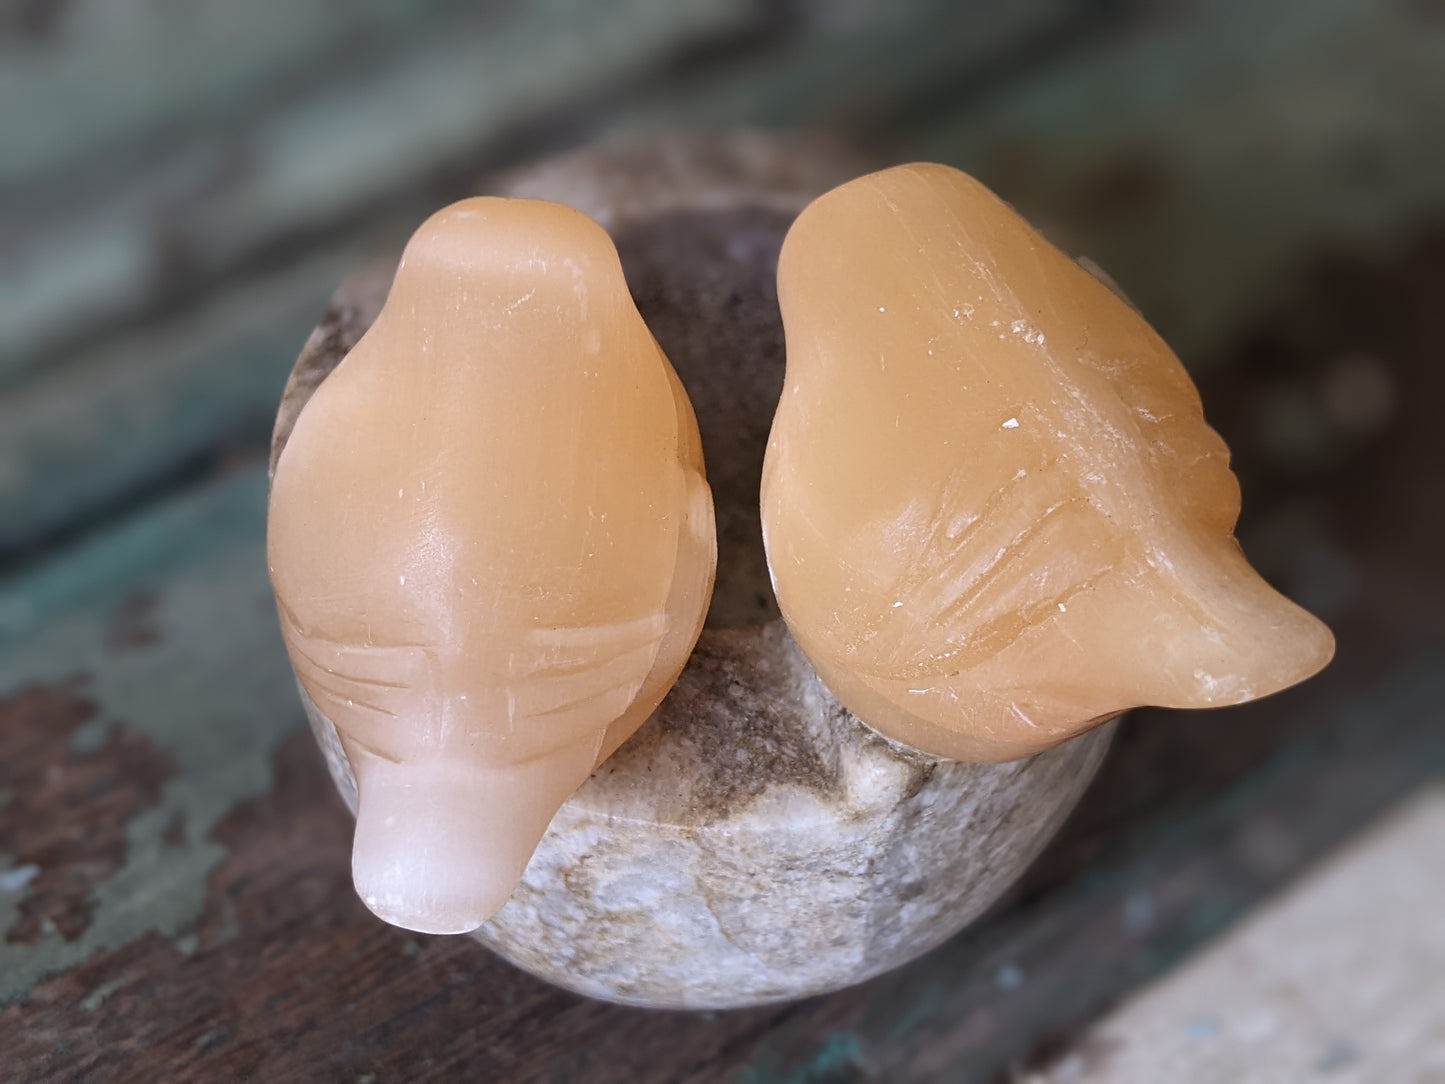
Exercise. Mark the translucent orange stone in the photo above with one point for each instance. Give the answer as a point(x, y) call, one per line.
point(994, 513)
point(492, 546)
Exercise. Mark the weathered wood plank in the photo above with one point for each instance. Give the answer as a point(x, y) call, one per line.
point(1240, 800)
point(1336, 976)
point(316, 143)
point(199, 914)
point(995, 993)
point(174, 894)
point(1173, 150)
point(113, 73)
point(195, 715)
point(116, 239)
point(131, 557)
point(93, 433)
point(1207, 151)
point(862, 65)
point(176, 900)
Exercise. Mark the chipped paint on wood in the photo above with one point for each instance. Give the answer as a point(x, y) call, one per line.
point(226, 941)
point(176, 724)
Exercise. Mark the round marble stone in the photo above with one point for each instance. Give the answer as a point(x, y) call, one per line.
point(753, 842)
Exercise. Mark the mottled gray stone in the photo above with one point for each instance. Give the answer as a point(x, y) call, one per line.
point(753, 842)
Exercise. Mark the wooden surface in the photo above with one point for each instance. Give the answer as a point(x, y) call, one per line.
point(1337, 977)
point(178, 197)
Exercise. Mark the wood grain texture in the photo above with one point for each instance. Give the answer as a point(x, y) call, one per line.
point(178, 150)
point(1236, 136)
point(190, 857)
point(174, 899)
point(1338, 976)
point(161, 401)
point(148, 262)
point(114, 73)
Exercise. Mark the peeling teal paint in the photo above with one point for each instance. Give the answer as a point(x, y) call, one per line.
point(96, 998)
point(839, 1059)
point(214, 694)
point(841, 1051)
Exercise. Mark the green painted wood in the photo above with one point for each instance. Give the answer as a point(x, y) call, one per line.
point(174, 892)
point(174, 884)
point(287, 145)
point(121, 418)
point(113, 73)
point(1135, 139)
point(168, 625)
point(1041, 970)
point(864, 64)
point(1204, 156)
point(88, 436)
point(135, 555)
point(192, 683)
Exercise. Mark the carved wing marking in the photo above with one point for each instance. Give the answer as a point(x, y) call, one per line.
point(585, 676)
point(979, 580)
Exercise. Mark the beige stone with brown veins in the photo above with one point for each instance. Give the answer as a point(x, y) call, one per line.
point(994, 513)
point(492, 546)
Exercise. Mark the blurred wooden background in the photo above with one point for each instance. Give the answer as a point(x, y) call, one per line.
point(182, 184)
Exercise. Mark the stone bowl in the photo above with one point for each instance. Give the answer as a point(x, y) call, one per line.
point(753, 842)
